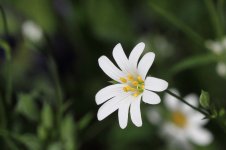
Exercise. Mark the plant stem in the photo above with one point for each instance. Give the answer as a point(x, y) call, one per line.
point(182, 100)
point(220, 9)
point(9, 80)
point(179, 24)
point(8, 139)
point(58, 89)
point(2, 113)
point(4, 20)
point(215, 18)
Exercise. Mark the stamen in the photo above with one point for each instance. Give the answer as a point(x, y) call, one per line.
point(142, 86)
point(130, 77)
point(125, 89)
point(136, 94)
point(139, 78)
point(135, 83)
point(123, 80)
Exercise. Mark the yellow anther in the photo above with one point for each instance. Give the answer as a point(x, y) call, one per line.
point(179, 119)
point(125, 89)
point(136, 94)
point(123, 80)
point(130, 77)
point(135, 83)
point(142, 86)
point(132, 89)
point(139, 78)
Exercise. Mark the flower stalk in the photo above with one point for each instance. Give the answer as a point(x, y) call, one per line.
point(9, 80)
point(4, 20)
point(182, 100)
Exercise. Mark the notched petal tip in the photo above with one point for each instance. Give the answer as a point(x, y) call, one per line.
point(139, 124)
point(122, 126)
point(99, 116)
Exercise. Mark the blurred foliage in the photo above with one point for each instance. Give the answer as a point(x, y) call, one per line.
point(47, 89)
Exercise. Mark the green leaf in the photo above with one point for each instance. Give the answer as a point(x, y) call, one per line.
point(47, 116)
point(42, 133)
point(30, 141)
point(27, 107)
point(85, 121)
point(68, 133)
point(204, 99)
point(222, 112)
point(55, 146)
point(194, 61)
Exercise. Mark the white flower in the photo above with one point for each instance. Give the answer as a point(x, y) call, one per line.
point(185, 124)
point(32, 31)
point(133, 85)
point(219, 48)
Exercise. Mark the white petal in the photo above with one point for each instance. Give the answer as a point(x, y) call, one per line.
point(191, 99)
point(155, 84)
point(110, 106)
point(150, 97)
point(145, 64)
point(221, 69)
point(123, 112)
point(108, 92)
point(196, 118)
point(135, 112)
point(154, 116)
point(121, 59)
point(200, 136)
point(171, 102)
point(110, 69)
point(136, 53)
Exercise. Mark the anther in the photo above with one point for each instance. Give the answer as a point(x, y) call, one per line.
point(123, 80)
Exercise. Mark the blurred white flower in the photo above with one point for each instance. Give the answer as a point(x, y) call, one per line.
point(131, 87)
point(218, 48)
point(32, 31)
point(154, 116)
point(221, 69)
point(185, 124)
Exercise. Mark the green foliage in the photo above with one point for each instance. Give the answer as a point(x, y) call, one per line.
point(68, 131)
point(47, 116)
point(204, 99)
point(27, 106)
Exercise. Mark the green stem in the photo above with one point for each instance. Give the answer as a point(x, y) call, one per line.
point(58, 89)
point(8, 139)
point(2, 113)
point(9, 80)
point(182, 100)
point(4, 20)
point(214, 18)
point(179, 24)
point(220, 8)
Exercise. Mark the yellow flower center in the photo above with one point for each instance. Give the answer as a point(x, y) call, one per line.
point(179, 119)
point(135, 85)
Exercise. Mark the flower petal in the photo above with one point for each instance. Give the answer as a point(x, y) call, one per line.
point(196, 118)
point(171, 102)
point(200, 136)
point(145, 64)
point(121, 59)
point(110, 69)
point(123, 112)
point(135, 54)
point(110, 106)
point(108, 92)
point(150, 97)
point(135, 112)
point(155, 84)
point(191, 99)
